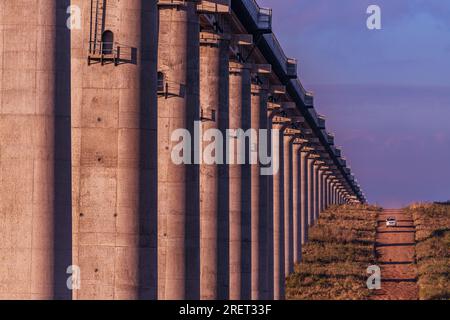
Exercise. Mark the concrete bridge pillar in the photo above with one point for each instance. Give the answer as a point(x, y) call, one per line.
point(317, 187)
point(297, 145)
point(288, 209)
point(320, 198)
point(333, 193)
point(273, 203)
point(178, 184)
point(35, 150)
point(311, 191)
point(239, 184)
point(214, 104)
point(324, 189)
point(114, 148)
point(330, 191)
point(279, 123)
point(259, 197)
point(304, 192)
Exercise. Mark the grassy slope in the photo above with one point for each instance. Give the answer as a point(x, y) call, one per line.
point(432, 249)
point(340, 249)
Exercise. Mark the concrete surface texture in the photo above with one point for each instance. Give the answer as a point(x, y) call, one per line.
point(90, 194)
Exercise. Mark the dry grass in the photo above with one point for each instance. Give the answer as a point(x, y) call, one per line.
point(340, 248)
point(432, 250)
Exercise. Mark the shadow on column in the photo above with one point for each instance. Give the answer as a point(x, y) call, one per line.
point(148, 262)
point(223, 221)
point(246, 197)
point(192, 228)
point(62, 203)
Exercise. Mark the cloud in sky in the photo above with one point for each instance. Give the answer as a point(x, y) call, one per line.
point(386, 93)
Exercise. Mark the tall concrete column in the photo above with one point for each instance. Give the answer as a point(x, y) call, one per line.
point(239, 184)
point(178, 184)
point(333, 194)
point(329, 191)
point(114, 152)
point(311, 191)
point(259, 196)
point(214, 102)
point(272, 205)
point(35, 176)
point(288, 212)
point(304, 192)
point(278, 215)
point(316, 179)
point(324, 190)
point(296, 199)
point(320, 197)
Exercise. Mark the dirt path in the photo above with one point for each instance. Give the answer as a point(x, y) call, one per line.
point(395, 247)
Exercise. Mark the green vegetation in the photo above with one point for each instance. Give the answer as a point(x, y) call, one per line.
point(432, 249)
point(340, 248)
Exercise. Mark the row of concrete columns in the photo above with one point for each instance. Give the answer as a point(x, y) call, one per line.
point(88, 177)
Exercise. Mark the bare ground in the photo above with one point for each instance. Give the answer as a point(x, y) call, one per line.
point(395, 248)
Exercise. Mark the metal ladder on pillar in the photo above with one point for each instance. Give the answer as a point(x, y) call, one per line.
point(99, 16)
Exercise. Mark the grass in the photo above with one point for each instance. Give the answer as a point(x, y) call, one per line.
point(335, 260)
point(432, 249)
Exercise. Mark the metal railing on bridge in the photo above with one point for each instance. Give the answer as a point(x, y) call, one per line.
point(289, 65)
point(261, 16)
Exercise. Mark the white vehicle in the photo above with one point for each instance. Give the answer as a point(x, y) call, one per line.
point(391, 222)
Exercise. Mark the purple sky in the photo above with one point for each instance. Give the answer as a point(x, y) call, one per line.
point(386, 93)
